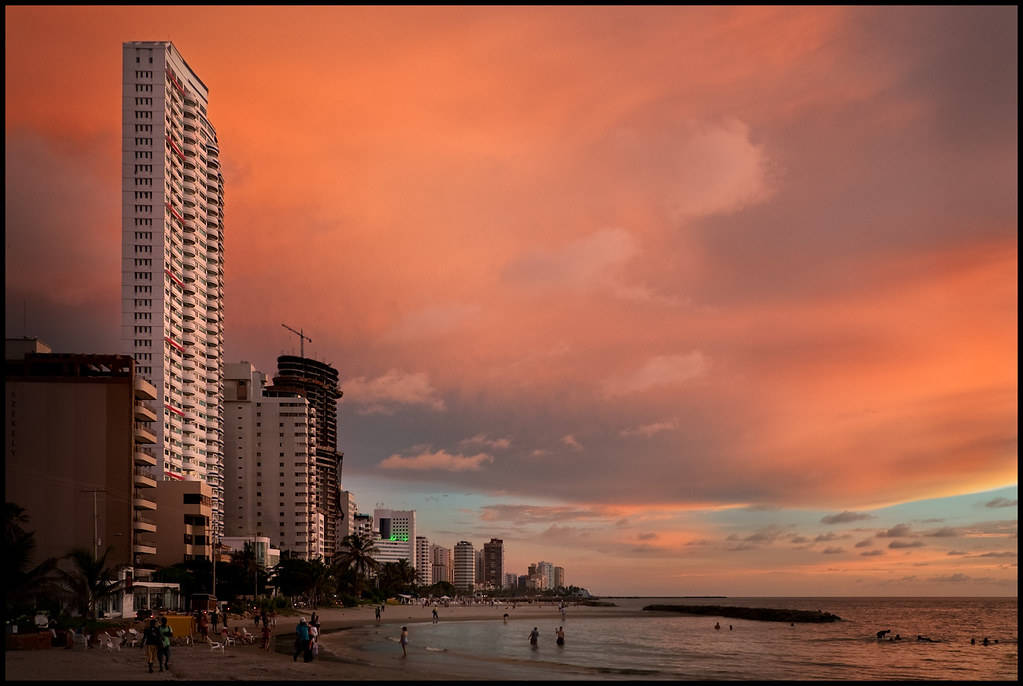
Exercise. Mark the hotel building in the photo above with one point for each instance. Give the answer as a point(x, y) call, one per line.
point(493, 563)
point(442, 564)
point(424, 565)
point(172, 260)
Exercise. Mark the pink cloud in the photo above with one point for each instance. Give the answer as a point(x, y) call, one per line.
point(385, 393)
point(440, 460)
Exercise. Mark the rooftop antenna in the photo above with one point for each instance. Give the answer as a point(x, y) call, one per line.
point(302, 338)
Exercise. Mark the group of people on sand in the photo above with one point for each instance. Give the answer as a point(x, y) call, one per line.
point(157, 641)
point(307, 635)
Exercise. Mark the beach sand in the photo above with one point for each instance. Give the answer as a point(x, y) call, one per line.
point(199, 662)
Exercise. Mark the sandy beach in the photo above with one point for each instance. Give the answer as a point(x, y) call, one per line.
point(199, 662)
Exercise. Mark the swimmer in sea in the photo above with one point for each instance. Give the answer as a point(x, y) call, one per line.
point(534, 636)
point(561, 636)
point(717, 626)
point(505, 617)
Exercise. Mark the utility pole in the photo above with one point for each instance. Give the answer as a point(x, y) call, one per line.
point(302, 338)
point(95, 518)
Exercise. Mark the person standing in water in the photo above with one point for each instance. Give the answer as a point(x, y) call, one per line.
point(404, 641)
point(717, 626)
point(436, 617)
point(561, 636)
point(534, 636)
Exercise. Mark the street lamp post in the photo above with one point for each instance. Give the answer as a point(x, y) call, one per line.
point(95, 518)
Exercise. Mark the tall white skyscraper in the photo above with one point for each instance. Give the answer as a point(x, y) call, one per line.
point(424, 562)
point(172, 261)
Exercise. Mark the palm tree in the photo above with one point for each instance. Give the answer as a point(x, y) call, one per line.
point(22, 584)
point(356, 553)
point(89, 580)
point(321, 581)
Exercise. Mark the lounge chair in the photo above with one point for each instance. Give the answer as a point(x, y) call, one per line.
point(216, 646)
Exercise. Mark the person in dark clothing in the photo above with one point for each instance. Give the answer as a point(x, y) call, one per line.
point(214, 618)
point(163, 652)
point(152, 641)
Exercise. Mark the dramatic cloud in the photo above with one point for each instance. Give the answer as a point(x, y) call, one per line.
point(660, 370)
point(484, 440)
point(439, 460)
point(648, 430)
point(845, 517)
point(897, 531)
point(386, 393)
point(571, 442)
point(906, 544)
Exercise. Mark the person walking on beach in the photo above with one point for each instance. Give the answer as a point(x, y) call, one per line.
point(204, 626)
point(436, 617)
point(314, 634)
point(314, 620)
point(404, 641)
point(301, 639)
point(215, 619)
point(377, 611)
point(151, 640)
point(561, 636)
point(266, 637)
point(163, 653)
point(534, 637)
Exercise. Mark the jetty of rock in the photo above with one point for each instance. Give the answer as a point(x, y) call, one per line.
point(761, 614)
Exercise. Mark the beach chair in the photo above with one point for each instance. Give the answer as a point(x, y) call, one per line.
point(247, 637)
point(216, 646)
point(132, 637)
point(108, 641)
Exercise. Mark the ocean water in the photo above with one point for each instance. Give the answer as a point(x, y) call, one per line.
point(688, 647)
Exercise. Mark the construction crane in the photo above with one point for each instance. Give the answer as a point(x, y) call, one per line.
point(302, 338)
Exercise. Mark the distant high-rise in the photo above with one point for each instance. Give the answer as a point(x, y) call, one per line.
point(318, 382)
point(479, 567)
point(559, 577)
point(442, 563)
point(465, 567)
point(493, 563)
point(172, 259)
point(545, 574)
point(424, 564)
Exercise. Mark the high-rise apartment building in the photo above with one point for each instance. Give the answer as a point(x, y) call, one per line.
point(424, 564)
point(511, 580)
point(363, 524)
point(465, 567)
point(493, 563)
point(559, 577)
point(318, 382)
point(270, 464)
point(172, 259)
point(346, 516)
point(545, 574)
point(442, 563)
point(479, 567)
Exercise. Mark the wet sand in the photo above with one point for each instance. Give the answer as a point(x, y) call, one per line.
point(345, 662)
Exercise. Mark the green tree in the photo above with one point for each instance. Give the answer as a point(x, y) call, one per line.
point(293, 576)
point(89, 580)
point(356, 553)
point(321, 582)
point(442, 588)
point(22, 582)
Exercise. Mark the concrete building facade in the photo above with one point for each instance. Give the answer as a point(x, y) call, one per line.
point(346, 515)
point(559, 577)
point(465, 567)
point(442, 564)
point(79, 453)
point(423, 562)
point(172, 260)
point(493, 563)
point(397, 526)
point(184, 521)
point(270, 464)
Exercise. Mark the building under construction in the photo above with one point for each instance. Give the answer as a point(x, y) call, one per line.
point(318, 383)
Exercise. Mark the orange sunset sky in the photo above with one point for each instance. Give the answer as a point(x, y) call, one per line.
point(687, 300)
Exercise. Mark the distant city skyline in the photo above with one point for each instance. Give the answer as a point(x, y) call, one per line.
point(687, 300)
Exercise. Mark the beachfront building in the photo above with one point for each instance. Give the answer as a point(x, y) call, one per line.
point(346, 515)
point(465, 567)
point(364, 525)
point(172, 260)
point(523, 583)
point(318, 382)
point(184, 516)
point(442, 564)
point(544, 575)
point(424, 567)
point(510, 580)
point(397, 527)
point(270, 440)
point(559, 577)
point(493, 563)
point(266, 555)
point(479, 569)
point(79, 453)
